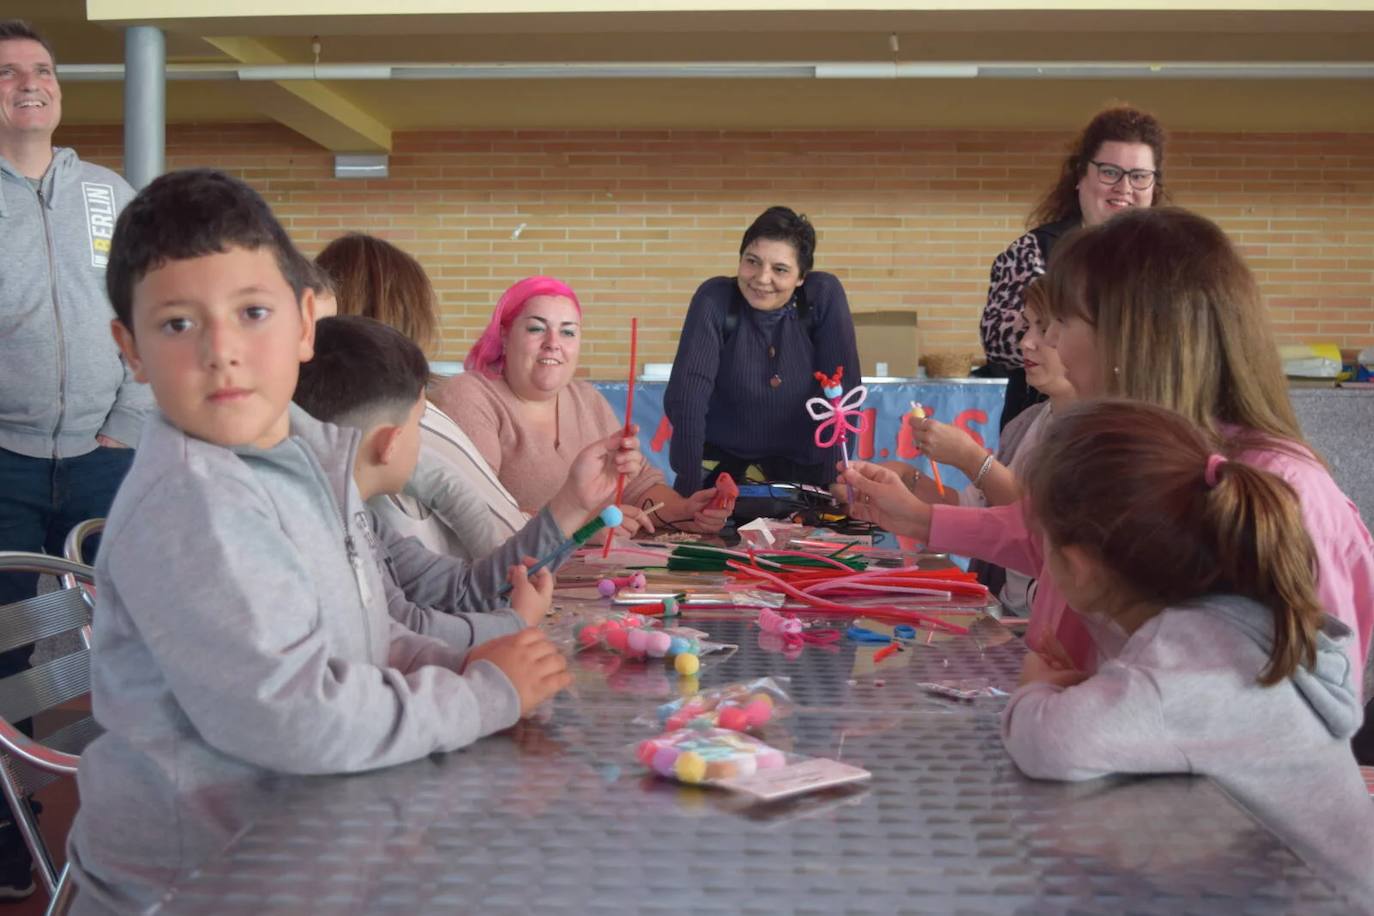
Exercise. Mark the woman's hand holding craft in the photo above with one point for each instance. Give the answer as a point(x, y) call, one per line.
point(881, 497)
point(946, 444)
point(703, 518)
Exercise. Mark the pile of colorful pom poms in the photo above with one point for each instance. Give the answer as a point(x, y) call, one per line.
point(635, 636)
point(708, 755)
point(737, 707)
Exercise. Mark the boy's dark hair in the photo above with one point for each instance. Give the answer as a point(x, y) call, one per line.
point(783, 224)
point(19, 30)
point(320, 280)
point(364, 373)
point(191, 214)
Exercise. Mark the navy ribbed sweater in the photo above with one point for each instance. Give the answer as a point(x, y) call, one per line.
point(719, 391)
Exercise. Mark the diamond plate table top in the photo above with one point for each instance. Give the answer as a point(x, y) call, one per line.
point(557, 817)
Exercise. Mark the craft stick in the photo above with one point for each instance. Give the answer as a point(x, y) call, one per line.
point(919, 413)
point(629, 414)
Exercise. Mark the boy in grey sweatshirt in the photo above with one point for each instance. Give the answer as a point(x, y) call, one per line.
point(241, 627)
point(371, 377)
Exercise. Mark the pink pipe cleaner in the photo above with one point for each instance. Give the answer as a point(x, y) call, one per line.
point(831, 606)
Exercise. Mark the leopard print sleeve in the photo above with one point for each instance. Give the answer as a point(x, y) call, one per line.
point(1011, 271)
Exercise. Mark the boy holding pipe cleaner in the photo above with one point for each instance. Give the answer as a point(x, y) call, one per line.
point(368, 376)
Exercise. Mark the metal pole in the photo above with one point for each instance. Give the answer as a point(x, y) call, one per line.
point(145, 104)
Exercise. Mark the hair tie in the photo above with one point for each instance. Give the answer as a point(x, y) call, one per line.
point(1214, 463)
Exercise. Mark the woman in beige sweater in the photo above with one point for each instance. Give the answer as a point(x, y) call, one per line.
point(528, 416)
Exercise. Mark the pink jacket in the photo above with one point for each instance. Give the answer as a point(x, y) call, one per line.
point(1345, 559)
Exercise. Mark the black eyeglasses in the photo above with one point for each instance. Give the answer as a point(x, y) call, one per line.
point(1140, 179)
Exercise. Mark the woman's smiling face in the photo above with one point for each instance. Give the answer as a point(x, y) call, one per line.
point(768, 273)
point(542, 346)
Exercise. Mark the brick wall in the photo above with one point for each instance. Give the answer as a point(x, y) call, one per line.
point(635, 220)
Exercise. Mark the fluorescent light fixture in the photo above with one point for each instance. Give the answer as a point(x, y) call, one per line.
point(360, 165)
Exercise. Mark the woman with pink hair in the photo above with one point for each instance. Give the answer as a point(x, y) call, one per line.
point(528, 416)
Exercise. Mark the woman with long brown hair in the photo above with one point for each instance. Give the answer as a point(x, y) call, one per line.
point(1116, 163)
point(1158, 306)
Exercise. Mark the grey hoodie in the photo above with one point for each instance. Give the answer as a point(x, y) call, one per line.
point(62, 381)
point(1182, 697)
point(242, 632)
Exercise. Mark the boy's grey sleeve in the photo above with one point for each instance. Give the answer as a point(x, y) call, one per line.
point(460, 631)
point(238, 635)
point(1111, 723)
point(451, 585)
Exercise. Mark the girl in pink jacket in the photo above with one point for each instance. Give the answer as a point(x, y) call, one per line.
point(1157, 305)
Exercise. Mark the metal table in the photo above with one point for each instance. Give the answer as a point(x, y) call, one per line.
point(556, 816)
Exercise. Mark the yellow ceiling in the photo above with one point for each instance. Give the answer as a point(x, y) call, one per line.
point(359, 114)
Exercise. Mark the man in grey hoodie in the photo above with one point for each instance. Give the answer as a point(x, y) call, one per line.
point(242, 628)
point(67, 403)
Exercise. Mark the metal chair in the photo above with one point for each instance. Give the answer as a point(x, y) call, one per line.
point(27, 764)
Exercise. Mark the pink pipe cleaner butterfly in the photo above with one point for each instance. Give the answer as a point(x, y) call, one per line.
point(840, 414)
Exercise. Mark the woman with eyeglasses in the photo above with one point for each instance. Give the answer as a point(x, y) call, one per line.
point(1116, 163)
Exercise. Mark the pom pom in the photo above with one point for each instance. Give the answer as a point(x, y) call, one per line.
point(733, 718)
point(612, 516)
point(646, 751)
point(606, 587)
point(637, 641)
point(638, 581)
point(658, 644)
point(670, 606)
point(690, 767)
point(617, 639)
point(664, 759)
point(678, 645)
point(687, 664)
point(589, 635)
point(758, 712)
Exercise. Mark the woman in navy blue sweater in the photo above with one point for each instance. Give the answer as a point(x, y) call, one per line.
point(747, 359)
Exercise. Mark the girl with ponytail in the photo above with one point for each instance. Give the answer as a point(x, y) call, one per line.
point(1230, 666)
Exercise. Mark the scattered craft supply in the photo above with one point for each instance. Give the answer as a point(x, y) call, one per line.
point(666, 607)
point(887, 650)
point(727, 491)
point(694, 756)
point(629, 416)
point(793, 632)
point(738, 707)
point(835, 412)
point(702, 558)
point(612, 584)
point(919, 413)
point(818, 605)
point(608, 517)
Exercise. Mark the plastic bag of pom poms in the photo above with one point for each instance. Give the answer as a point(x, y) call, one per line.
point(637, 636)
point(741, 706)
point(707, 756)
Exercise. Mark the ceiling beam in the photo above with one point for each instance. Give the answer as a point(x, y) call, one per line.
point(306, 106)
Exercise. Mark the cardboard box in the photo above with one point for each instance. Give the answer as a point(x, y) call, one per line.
point(890, 336)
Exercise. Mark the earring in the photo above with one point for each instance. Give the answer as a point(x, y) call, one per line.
point(1116, 370)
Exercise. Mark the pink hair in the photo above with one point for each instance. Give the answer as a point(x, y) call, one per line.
point(487, 355)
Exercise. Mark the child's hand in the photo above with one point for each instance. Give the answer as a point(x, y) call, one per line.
point(531, 598)
point(1038, 668)
point(881, 497)
point(591, 479)
point(533, 664)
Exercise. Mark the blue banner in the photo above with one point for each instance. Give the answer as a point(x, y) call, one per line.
point(975, 406)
